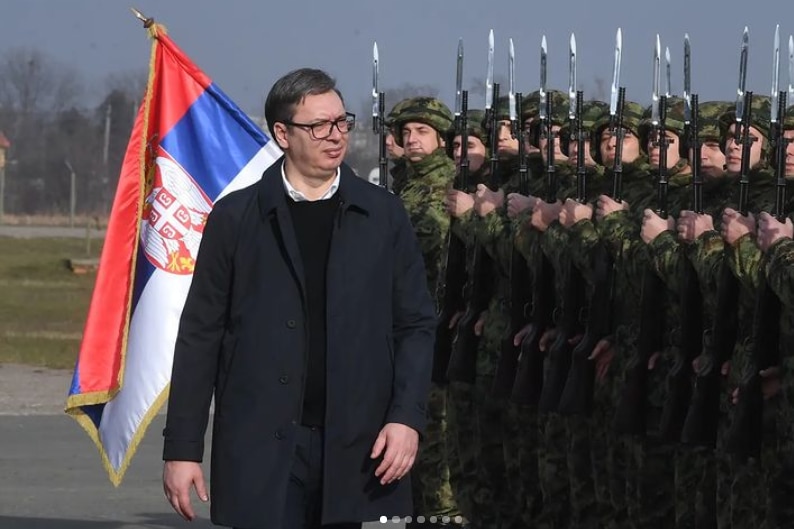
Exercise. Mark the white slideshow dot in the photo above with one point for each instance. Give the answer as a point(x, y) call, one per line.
point(383, 519)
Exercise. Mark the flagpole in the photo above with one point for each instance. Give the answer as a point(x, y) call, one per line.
point(147, 21)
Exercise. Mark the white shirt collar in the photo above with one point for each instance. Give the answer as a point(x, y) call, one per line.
point(297, 196)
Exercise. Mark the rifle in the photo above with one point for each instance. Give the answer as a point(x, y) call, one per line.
point(378, 121)
point(701, 423)
point(455, 269)
point(507, 368)
point(690, 300)
point(529, 382)
point(463, 361)
point(746, 435)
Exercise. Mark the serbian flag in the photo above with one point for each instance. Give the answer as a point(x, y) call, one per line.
point(190, 145)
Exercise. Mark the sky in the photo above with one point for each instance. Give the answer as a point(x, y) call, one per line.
point(246, 45)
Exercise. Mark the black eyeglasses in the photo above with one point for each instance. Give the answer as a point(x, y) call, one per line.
point(323, 129)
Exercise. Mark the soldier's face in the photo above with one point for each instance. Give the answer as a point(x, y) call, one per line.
point(673, 155)
point(543, 141)
point(476, 152)
point(419, 140)
point(789, 135)
point(733, 150)
point(573, 151)
point(712, 159)
point(508, 146)
point(631, 147)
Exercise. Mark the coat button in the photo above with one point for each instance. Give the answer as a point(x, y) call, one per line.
point(283, 379)
point(291, 324)
point(279, 435)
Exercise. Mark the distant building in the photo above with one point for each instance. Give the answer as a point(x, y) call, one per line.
point(4, 146)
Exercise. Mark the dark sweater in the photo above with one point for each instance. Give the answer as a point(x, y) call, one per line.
point(313, 222)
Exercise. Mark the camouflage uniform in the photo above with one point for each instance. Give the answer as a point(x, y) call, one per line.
point(619, 232)
point(734, 509)
point(651, 477)
point(423, 196)
point(463, 446)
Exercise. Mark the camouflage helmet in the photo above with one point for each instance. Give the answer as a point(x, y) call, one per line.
point(674, 122)
point(529, 106)
point(709, 119)
point(474, 127)
point(632, 116)
point(559, 115)
point(760, 120)
point(427, 110)
point(592, 111)
point(395, 111)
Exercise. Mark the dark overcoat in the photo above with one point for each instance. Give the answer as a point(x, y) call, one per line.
point(243, 336)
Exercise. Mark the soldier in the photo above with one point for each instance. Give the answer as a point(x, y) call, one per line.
point(421, 127)
point(462, 446)
point(398, 170)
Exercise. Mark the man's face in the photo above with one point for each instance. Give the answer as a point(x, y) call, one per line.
point(654, 150)
point(419, 140)
point(310, 156)
point(733, 150)
point(712, 159)
point(573, 150)
point(476, 152)
point(789, 135)
point(394, 150)
point(508, 145)
point(543, 141)
point(631, 147)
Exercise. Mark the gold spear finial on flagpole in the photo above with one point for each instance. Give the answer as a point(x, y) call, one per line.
point(147, 22)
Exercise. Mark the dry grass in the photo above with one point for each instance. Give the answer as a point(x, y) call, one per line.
point(43, 305)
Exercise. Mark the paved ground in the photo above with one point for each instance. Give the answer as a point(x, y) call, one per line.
point(30, 232)
point(52, 477)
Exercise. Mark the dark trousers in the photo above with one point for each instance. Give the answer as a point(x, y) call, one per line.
point(304, 492)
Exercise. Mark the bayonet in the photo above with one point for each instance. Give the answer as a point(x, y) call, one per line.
point(459, 80)
point(543, 55)
point(613, 99)
point(375, 88)
point(742, 75)
point(775, 73)
point(791, 67)
point(668, 90)
point(489, 75)
point(657, 50)
point(511, 93)
point(572, 78)
point(687, 81)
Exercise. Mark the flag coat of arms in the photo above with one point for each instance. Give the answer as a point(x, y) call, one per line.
point(190, 145)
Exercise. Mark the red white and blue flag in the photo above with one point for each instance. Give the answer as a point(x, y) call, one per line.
point(190, 145)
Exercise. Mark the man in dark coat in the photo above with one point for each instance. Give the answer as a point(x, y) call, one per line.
point(310, 320)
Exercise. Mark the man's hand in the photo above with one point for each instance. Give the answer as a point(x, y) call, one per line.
point(487, 201)
point(398, 443)
point(603, 353)
point(517, 203)
point(479, 325)
point(544, 214)
point(653, 225)
point(458, 203)
point(572, 212)
point(178, 477)
point(735, 225)
point(692, 225)
point(771, 230)
point(606, 206)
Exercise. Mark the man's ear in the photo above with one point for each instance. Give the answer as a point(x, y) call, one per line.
point(280, 131)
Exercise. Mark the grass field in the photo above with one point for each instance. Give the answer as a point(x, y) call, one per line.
point(43, 304)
